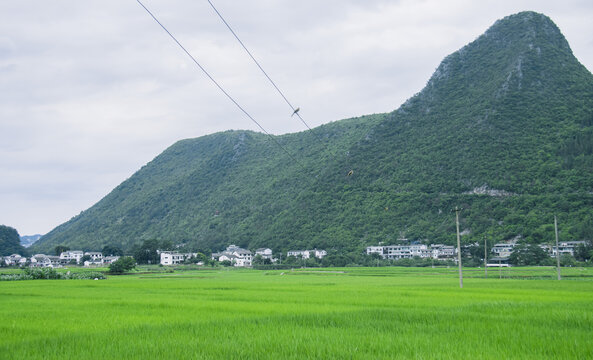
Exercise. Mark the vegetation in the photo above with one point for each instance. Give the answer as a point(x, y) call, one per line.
point(502, 129)
point(112, 250)
point(51, 274)
point(362, 313)
point(60, 249)
point(10, 242)
point(122, 265)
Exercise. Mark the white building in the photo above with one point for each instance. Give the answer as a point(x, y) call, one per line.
point(419, 250)
point(440, 251)
point(68, 256)
point(110, 259)
point(236, 255)
point(503, 250)
point(306, 254)
point(41, 260)
point(375, 250)
point(396, 252)
point(15, 260)
point(174, 258)
point(96, 257)
point(265, 253)
point(566, 248)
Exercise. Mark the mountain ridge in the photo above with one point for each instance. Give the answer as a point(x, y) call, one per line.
point(509, 112)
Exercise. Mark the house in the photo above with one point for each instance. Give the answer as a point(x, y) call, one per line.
point(441, 251)
point(503, 250)
point(394, 252)
point(565, 248)
point(41, 260)
point(15, 260)
point(419, 250)
point(96, 257)
point(68, 256)
point(110, 259)
point(236, 255)
point(174, 258)
point(375, 250)
point(55, 260)
point(265, 253)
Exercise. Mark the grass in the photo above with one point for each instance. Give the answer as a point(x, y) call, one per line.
point(360, 313)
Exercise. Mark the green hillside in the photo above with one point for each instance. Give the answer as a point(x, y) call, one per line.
point(503, 128)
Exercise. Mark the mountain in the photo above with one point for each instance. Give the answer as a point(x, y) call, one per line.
point(10, 242)
point(28, 240)
point(503, 128)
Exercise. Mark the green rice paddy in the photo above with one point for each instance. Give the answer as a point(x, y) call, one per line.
point(360, 313)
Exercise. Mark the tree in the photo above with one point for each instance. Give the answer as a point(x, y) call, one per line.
point(147, 252)
point(584, 251)
point(60, 249)
point(85, 258)
point(528, 254)
point(10, 241)
point(122, 265)
point(258, 260)
point(112, 250)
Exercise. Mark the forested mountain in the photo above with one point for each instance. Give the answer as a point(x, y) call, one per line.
point(28, 240)
point(503, 129)
point(10, 242)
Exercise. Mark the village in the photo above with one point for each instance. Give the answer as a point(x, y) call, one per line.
point(236, 256)
point(501, 252)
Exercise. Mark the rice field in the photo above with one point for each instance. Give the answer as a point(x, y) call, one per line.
point(352, 313)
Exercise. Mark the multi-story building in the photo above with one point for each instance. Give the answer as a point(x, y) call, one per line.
point(68, 256)
point(395, 252)
point(306, 254)
point(440, 251)
point(174, 258)
point(565, 248)
point(265, 253)
point(236, 255)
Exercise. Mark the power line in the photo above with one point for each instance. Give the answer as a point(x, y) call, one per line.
point(295, 111)
point(219, 86)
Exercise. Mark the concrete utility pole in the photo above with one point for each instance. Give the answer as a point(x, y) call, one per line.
point(557, 248)
point(457, 210)
point(485, 259)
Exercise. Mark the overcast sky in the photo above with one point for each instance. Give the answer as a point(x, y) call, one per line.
point(92, 90)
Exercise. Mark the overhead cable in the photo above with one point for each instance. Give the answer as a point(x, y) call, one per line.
point(219, 86)
point(295, 110)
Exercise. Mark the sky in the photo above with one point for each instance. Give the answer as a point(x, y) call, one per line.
point(90, 91)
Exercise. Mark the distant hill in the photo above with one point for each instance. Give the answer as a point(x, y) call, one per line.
point(28, 240)
point(503, 128)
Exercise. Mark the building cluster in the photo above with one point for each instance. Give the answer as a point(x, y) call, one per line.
point(504, 250)
point(396, 252)
point(242, 257)
point(65, 258)
point(501, 251)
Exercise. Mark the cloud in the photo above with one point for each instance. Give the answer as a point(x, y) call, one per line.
point(92, 90)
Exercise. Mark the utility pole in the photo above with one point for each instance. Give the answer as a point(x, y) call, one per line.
point(485, 259)
point(557, 248)
point(457, 210)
